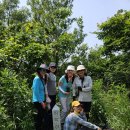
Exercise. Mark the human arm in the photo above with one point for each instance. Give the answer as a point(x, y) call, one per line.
point(88, 87)
point(74, 90)
point(60, 88)
point(46, 91)
point(85, 123)
point(37, 89)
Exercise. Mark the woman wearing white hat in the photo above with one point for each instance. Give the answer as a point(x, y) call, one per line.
point(83, 86)
point(65, 87)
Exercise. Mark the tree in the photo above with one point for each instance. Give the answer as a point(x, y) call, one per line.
point(44, 37)
point(54, 19)
point(115, 34)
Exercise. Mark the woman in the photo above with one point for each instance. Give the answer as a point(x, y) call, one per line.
point(83, 87)
point(39, 97)
point(65, 87)
point(73, 119)
point(51, 88)
point(51, 84)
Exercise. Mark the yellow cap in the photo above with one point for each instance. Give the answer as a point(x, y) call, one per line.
point(75, 103)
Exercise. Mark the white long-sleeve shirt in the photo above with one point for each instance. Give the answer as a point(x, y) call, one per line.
point(86, 85)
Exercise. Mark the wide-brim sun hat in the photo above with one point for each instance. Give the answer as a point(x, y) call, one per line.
point(75, 103)
point(40, 69)
point(70, 67)
point(81, 67)
point(43, 66)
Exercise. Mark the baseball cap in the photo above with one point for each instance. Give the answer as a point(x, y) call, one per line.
point(75, 103)
point(52, 64)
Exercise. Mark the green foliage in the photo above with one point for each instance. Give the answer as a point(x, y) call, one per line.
point(15, 102)
point(115, 33)
point(98, 113)
point(116, 49)
point(5, 122)
point(111, 106)
point(42, 38)
point(29, 38)
point(97, 64)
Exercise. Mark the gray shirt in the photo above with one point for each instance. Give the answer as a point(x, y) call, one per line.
point(51, 84)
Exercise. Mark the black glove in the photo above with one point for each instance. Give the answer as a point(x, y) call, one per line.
point(74, 98)
point(79, 88)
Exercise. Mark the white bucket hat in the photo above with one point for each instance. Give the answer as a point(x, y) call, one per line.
point(81, 67)
point(70, 67)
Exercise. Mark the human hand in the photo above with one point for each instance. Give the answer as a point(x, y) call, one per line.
point(67, 93)
point(99, 129)
point(48, 100)
point(43, 105)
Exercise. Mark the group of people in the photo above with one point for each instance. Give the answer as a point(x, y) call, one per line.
point(74, 87)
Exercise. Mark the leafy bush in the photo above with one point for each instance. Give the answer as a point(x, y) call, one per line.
point(111, 106)
point(98, 113)
point(16, 101)
point(5, 122)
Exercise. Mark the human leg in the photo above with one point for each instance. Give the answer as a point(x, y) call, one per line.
point(87, 108)
point(64, 110)
point(49, 113)
point(39, 116)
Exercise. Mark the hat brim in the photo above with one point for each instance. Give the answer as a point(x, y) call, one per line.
point(80, 69)
point(76, 104)
point(53, 66)
point(40, 69)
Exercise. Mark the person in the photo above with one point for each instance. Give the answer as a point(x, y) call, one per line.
point(51, 84)
point(73, 119)
point(39, 97)
point(82, 87)
point(51, 88)
point(65, 86)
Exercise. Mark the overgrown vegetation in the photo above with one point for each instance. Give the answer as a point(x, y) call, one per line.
point(15, 101)
point(111, 107)
point(29, 37)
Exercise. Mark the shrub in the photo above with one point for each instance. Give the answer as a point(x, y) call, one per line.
point(111, 106)
point(16, 100)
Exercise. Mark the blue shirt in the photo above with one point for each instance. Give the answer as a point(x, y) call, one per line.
point(38, 90)
point(64, 86)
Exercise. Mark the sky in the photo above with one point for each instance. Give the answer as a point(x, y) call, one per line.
point(93, 12)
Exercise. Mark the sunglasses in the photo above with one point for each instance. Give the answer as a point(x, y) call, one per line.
point(53, 67)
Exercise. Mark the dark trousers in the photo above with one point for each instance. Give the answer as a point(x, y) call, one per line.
point(85, 128)
point(87, 108)
point(39, 117)
point(49, 113)
point(53, 100)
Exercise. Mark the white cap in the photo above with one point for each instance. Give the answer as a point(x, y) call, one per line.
point(70, 67)
point(81, 67)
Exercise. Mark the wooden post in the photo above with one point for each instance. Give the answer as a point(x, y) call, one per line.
point(56, 118)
